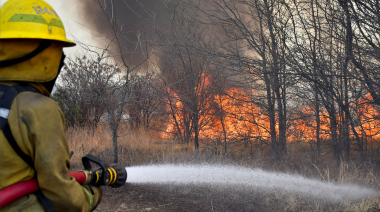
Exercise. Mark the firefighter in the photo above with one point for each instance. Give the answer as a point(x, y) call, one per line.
point(32, 135)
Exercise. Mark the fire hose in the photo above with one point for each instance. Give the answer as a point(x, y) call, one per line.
point(113, 175)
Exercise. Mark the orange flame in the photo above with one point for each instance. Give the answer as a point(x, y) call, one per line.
point(234, 116)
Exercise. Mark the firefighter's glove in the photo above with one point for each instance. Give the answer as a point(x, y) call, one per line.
point(96, 197)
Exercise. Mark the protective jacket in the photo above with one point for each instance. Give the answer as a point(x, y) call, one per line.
point(37, 125)
point(32, 36)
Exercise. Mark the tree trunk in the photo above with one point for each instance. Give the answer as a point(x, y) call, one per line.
point(272, 119)
point(179, 131)
point(276, 82)
point(357, 137)
point(196, 132)
point(368, 81)
point(334, 136)
point(114, 145)
point(224, 136)
point(221, 115)
point(318, 129)
point(268, 86)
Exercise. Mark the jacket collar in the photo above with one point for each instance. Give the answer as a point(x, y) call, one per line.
point(35, 85)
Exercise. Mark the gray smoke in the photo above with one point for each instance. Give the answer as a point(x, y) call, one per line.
point(129, 12)
point(131, 16)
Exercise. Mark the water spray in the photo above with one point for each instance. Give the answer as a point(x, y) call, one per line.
point(242, 178)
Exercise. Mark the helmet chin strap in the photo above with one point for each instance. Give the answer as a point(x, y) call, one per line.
point(44, 45)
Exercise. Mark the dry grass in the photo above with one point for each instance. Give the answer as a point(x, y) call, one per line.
point(139, 148)
point(134, 148)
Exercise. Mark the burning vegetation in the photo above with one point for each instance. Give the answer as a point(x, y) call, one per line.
point(233, 116)
point(289, 86)
point(223, 74)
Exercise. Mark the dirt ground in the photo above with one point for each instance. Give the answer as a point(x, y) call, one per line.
point(170, 198)
point(175, 198)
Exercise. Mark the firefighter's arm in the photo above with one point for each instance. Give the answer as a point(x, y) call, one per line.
point(41, 124)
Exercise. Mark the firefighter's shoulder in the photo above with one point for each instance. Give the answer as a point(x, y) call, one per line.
point(36, 104)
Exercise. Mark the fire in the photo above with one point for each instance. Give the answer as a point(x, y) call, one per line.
point(230, 115)
point(238, 115)
point(303, 127)
point(234, 116)
point(368, 116)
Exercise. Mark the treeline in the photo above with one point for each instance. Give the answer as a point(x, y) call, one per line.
point(262, 71)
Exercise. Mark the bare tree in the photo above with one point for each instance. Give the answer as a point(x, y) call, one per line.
point(186, 72)
point(254, 33)
point(129, 52)
point(76, 87)
point(321, 57)
point(145, 103)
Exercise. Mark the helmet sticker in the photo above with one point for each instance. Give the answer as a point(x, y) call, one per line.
point(40, 10)
point(27, 18)
point(35, 19)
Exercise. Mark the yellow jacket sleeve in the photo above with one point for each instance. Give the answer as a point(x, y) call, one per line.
point(37, 124)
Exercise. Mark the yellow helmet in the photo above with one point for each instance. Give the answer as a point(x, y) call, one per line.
point(33, 19)
point(31, 40)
